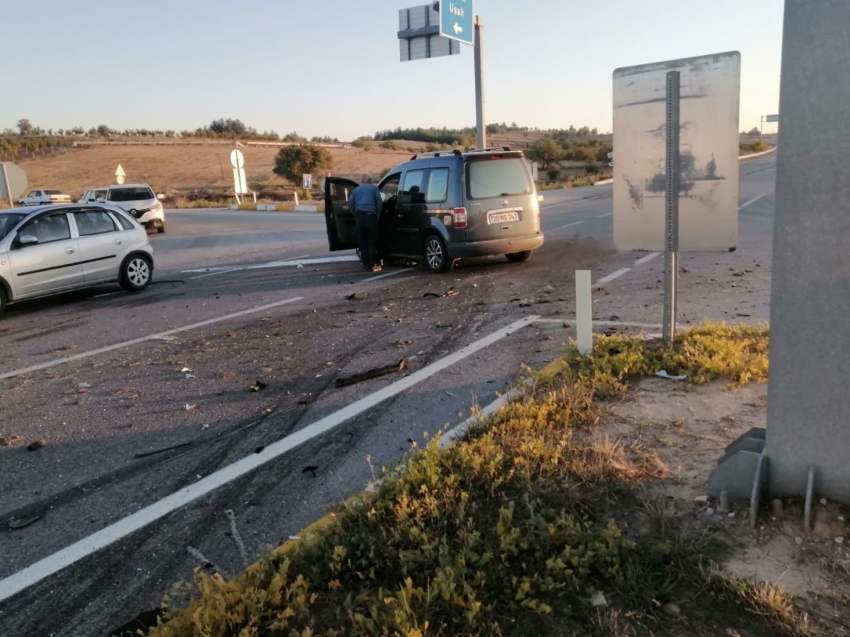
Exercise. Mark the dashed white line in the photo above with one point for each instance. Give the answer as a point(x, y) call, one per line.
point(647, 258)
point(58, 561)
point(151, 337)
point(612, 276)
point(752, 201)
point(570, 225)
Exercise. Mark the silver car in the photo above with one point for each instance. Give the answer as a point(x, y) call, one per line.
point(52, 249)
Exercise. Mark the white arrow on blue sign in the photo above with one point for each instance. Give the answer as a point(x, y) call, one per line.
point(457, 20)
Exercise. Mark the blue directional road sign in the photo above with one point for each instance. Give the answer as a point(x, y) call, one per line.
point(457, 20)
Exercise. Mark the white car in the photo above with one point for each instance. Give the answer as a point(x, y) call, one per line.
point(43, 198)
point(94, 195)
point(139, 201)
point(52, 249)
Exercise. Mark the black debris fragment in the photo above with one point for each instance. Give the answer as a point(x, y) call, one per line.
point(345, 381)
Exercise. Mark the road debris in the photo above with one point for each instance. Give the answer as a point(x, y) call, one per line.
point(403, 343)
point(353, 297)
point(190, 407)
point(664, 374)
point(8, 441)
point(311, 469)
point(146, 454)
point(237, 538)
point(38, 444)
point(20, 523)
point(433, 295)
point(204, 427)
point(258, 386)
point(84, 386)
point(186, 370)
point(345, 381)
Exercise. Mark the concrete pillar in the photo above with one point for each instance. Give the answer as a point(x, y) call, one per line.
point(808, 419)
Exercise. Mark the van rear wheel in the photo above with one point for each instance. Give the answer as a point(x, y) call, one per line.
point(519, 257)
point(436, 257)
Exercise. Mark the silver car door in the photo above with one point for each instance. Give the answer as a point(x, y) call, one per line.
point(50, 265)
point(102, 243)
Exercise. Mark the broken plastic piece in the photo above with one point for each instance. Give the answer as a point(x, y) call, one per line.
point(664, 374)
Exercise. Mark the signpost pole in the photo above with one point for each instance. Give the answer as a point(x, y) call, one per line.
point(7, 188)
point(479, 84)
point(671, 248)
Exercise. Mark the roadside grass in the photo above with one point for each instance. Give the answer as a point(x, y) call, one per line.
point(515, 529)
point(573, 182)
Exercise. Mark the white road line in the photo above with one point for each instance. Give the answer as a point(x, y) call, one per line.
point(752, 201)
point(569, 225)
point(384, 276)
point(607, 214)
point(52, 564)
point(237, 268)
point(275, 264)
point(151, 337)
point(647, 258)
point(612, 276)
point(203, 276)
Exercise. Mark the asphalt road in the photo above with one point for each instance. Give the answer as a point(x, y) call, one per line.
point(147, 395)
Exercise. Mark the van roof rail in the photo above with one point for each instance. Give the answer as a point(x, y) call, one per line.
point(489, 150)
point(436, 153)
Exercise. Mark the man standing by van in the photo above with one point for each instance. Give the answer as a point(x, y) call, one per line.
point(365, 203)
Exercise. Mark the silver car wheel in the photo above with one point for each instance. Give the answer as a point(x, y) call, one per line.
point(138, 272)
point(434, 254)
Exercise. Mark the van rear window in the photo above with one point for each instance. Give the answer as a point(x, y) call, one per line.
point(488, 178)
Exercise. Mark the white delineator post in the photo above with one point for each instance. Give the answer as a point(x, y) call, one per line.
point(584, 312)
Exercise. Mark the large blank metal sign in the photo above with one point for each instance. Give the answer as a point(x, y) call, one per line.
point(708, 194)
point(419, 34)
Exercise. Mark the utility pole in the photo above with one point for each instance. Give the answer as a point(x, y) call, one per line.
point(480, 100)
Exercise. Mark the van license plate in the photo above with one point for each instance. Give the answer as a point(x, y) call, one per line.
point(502, 217)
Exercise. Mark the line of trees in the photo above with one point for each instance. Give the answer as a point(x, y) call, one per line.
point(29, 137)
point(466, 136)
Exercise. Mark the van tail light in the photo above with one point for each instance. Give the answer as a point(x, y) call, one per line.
point(459, 218)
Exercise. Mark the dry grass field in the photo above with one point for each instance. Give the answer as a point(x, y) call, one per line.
point(174, 169)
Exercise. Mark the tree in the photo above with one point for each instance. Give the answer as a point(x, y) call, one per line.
point(363, 142)
point(24, 126)
point(546, 152)
point(228, 127)
point(293, 161)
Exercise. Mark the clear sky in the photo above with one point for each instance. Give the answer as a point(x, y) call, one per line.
point(331, 67)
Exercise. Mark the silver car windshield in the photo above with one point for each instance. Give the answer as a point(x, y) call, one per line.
point(130, 194)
